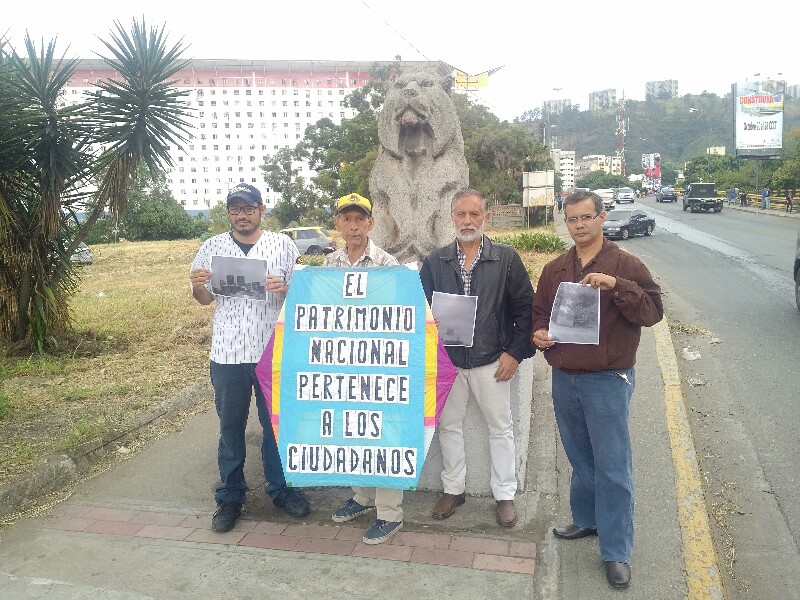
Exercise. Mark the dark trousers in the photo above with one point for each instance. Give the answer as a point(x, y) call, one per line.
point(233, 391)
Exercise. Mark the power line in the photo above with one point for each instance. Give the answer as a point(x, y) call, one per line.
point(400, 35)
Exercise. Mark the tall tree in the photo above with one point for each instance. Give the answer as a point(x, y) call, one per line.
point(55, 160)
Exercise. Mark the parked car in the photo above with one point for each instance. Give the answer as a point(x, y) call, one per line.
point(623, 224)
point(82, 256)
point(608, 197)
point(311, 240)
point(625, 194)
point(667, 194)
point(797, 273)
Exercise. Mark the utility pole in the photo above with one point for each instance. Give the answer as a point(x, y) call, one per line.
point(622, 126)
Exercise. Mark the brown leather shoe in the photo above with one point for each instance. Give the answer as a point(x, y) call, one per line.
point(447, 504)
point(506, 513)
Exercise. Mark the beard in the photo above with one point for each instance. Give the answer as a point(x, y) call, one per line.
point(469, 234)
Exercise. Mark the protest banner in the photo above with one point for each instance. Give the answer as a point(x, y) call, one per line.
point(355, 377)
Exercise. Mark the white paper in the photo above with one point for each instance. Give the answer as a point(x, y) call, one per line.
point(456, 315)
point(239, 277)
point(575, 318)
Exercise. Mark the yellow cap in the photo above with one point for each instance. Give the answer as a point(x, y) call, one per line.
point(354, 200)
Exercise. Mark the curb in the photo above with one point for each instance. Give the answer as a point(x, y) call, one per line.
point(703, 577)
point(52, 473)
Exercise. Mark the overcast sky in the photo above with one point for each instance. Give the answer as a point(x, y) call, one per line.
point(548, 50)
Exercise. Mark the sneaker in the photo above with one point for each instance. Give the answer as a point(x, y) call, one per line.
point(225, 517)
point(350, 510)
point(292, 502)
point(381, 531)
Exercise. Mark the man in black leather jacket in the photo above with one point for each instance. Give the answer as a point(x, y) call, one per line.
point(474, 265)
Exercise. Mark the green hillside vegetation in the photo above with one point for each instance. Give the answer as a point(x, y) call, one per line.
point(668, 127)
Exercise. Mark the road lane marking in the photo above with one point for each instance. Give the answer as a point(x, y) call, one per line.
point(703, 578)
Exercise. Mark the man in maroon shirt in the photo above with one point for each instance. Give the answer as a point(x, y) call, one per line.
point(593, 384)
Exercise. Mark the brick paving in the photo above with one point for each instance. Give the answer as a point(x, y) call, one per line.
point(458, 551)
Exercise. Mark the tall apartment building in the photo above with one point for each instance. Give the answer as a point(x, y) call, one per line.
point(243, 111)
point(665, 89)
point(603, 99)
point(555, 107)
point(564, 161)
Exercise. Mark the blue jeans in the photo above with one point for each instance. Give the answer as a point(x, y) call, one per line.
point(592, 415)
point(233, 389)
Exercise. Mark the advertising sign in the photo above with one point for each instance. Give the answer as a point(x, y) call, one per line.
point(758, 118)
point(651, 167)
point(355, 377)
point(538, 188)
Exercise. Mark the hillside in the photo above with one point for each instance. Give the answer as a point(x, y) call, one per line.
point(664, 126)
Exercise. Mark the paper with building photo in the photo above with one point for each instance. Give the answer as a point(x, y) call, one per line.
point(575, 318)
point(239, 277)
point(456, 315)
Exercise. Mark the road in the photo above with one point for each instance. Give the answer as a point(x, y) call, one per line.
point(728, 287)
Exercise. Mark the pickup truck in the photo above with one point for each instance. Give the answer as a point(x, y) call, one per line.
point(701, 196)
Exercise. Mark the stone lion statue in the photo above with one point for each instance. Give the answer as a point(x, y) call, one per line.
point(420, 166)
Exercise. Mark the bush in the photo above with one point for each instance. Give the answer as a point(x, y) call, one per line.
point(533, 241)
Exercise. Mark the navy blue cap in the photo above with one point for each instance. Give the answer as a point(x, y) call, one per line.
point(246, 192)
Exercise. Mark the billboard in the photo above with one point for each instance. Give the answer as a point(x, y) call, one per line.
point(651, 167)
point(538, 188)
point(758, 118)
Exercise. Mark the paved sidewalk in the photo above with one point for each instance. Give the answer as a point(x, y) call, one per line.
point(142, 529)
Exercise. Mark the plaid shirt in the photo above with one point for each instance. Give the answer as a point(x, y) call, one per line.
point(372, 257)
point(466, 276)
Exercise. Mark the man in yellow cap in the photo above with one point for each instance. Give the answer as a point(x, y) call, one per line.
point(354, 220)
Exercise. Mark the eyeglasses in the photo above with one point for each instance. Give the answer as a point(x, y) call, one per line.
point(236, 210)
point(582, 219)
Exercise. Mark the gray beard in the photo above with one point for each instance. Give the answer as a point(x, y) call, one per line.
point(470, 237)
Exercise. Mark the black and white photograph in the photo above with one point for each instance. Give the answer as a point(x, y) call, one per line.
point(576, 314)
point(239, 277)
point(456, 315)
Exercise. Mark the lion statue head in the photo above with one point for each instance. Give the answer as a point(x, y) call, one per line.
point(418, 116)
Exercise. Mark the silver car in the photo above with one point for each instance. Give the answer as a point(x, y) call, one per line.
point(625, 194)
point(311, 240)
point(82, 255)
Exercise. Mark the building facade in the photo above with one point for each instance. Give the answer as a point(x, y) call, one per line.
point(564, 161)
point(243, 111)
point(595, 162)
point(555, 107)
point(664, 89)
point(603, 99)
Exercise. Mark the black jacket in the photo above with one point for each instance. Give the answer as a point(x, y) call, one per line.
point(505, 298)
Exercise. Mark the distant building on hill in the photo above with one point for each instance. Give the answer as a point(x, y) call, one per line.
point(603, 99)
point(661, 90)
point(555, 107)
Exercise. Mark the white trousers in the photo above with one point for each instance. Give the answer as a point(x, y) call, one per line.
point(494, 400)
point(388, 502)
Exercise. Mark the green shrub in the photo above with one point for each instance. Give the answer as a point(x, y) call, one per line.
point(533, 241)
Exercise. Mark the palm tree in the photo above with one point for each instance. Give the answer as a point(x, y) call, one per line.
point(56, 160)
